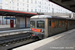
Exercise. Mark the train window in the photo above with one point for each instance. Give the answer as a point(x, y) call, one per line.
point(32, 24)
point(74, 22)
point(63, 23)
point(40, 24)
point(56, 24)
point(60, 23)
point(53, 24)
point(49, 23)
point(70, 23)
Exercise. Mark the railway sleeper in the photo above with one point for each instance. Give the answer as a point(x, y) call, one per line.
point(12, 40)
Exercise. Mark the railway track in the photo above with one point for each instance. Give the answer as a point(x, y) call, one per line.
point(7, 42)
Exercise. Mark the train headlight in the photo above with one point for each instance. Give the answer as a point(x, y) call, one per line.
point(42, 31)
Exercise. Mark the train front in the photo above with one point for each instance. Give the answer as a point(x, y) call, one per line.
point(37, 26)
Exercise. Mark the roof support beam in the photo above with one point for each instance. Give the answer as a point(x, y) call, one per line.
point(71, 6)
point(66, 0)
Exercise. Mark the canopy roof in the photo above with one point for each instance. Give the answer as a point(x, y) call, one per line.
point(68, 4)
point(4, 12)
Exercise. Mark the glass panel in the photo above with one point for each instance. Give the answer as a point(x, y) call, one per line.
point(56, 24)
point(0, 1)
point(40, 24)
point(49, 23)
point(32, 24)
point(63, 23)
point(60, 23)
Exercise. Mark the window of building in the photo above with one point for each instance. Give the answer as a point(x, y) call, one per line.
point(27, 1)
point(17, 4)
point(40, 10)
point(31, 10)
point(49, 4)
point(12, 2)
point(27, 10)
point(6, 3)
point(0, 1)
point(49, 8)
point(27, 5)
point(0, 7)
point(17, 0)
point(31, 1)
point(46, 7)
point(23, 8)
point(40, 2)
point(13, 8)
point(39, 6)
point(23, 4)
point(45, 3)
point(20, 8)
point(17, 8)
point(6, 7)
point(36, 2)
point(35, 10)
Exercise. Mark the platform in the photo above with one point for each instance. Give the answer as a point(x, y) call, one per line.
point(12, 31)
point(5, 29)
point(62, 41)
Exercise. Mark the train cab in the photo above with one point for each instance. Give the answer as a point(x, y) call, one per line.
point(37, 24)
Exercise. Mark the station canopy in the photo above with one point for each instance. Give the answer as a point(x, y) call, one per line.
point(4, 12)
point(68, 4)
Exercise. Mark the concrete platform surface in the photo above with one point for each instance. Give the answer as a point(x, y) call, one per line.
point(16, 30)
point(6, 26)
point(13, 31)
point(63, 41)
point(5, 29)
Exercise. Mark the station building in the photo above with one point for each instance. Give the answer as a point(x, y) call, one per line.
point(22, 19)
point(32, 6)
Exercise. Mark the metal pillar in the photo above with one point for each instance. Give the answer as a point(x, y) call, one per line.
point(2, 19)
point(15, 20)
point(25, 22)
point(6, 21)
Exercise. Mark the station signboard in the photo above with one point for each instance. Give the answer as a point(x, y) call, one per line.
point(8, 18)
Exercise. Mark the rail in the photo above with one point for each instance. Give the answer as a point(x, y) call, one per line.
point(13, 39)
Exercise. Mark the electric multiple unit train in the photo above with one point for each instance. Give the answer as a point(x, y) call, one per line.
point(43, 26)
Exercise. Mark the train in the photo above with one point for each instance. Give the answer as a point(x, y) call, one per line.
point(43, 26)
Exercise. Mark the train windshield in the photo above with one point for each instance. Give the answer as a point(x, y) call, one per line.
point(40, 24)
point(32, 24)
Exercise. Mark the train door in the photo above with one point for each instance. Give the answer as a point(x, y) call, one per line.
point(49, 28)
point(66, 24)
